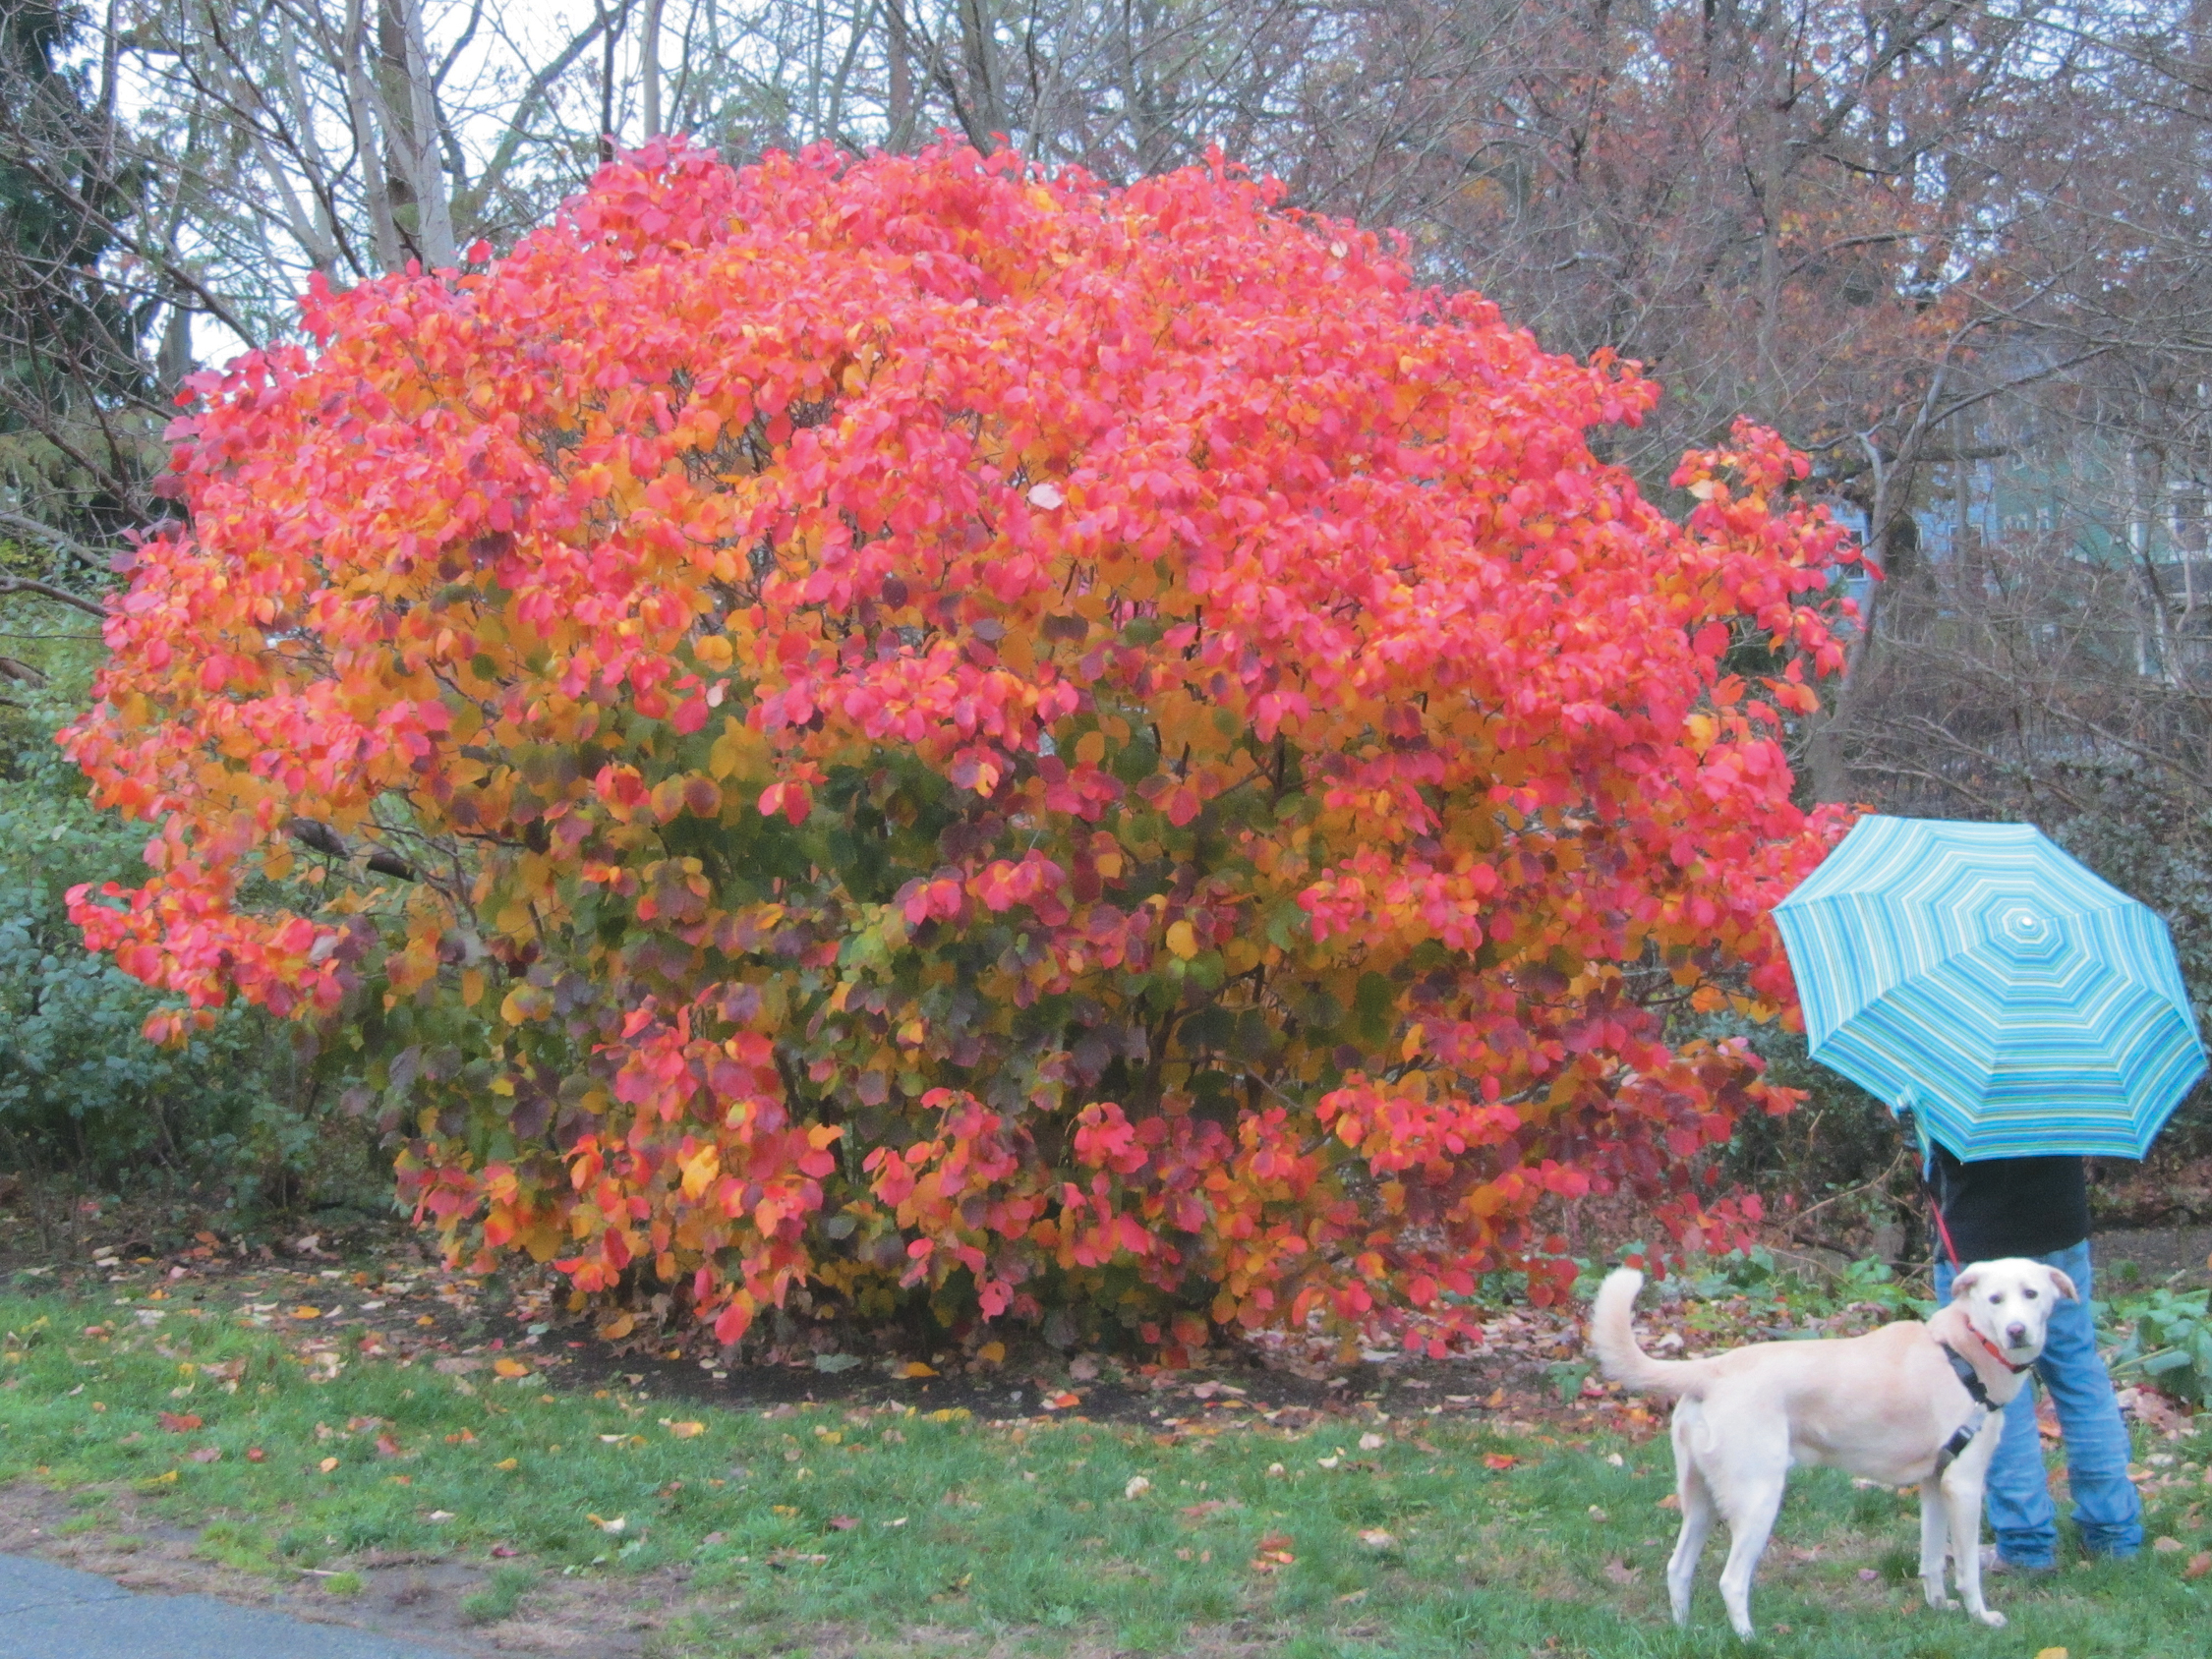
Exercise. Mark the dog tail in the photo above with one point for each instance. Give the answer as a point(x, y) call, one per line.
point(1612, 1338)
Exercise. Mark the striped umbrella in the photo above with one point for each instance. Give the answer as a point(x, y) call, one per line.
point(1977, 975)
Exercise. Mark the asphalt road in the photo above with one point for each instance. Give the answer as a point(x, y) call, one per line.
point(51, 1612)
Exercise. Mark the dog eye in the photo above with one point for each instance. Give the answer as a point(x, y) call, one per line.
point(2030, 1294)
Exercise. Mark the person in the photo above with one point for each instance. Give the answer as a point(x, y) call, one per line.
point(2039, 1208)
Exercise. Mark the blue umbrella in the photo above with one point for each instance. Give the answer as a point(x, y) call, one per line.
point(1978, 976)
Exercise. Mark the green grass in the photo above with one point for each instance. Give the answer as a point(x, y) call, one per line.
point(893, 1525)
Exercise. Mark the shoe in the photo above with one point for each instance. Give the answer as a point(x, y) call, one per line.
point(1996, 1565)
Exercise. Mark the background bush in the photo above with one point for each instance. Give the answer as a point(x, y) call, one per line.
point(237, 1109)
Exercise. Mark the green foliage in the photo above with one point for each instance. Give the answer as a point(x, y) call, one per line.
point(2169, 1341)
point(81, 1090)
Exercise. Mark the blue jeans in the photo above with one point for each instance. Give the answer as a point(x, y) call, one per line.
point(2106, 1506)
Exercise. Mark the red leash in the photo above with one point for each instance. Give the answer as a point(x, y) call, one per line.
point(1942, 1231)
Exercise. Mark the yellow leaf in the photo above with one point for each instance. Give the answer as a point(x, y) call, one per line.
point(507, 1463)
point(472, 987)
point(511, 1367)
point(915, 1368)
point(1182, 940)
point(688, 1429)
point(616, 1328)
point(700, 1171)
point(992, 1353)
point(303, 1311)
point(2051, 1654)
point(328, 1464)
point(1090, 748)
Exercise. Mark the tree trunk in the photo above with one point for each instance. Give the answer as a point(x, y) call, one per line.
point(649, 66)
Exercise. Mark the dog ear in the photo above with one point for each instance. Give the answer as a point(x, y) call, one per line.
point(2062, 1285)
point(1964, 1285)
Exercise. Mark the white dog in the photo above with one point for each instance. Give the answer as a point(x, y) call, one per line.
point(1906, 1403)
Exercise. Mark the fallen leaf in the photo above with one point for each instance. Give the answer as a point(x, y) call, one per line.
point(511, 1367)
point(206, 1455)
point(613, 1529)
point(181, 1422)
point(915, 1368)
point(441, 1514)
point(1065, 1400)
point(1376, 1538)
point(2199, 1564)
point(616, 1328)
point(303, 1311)
point(1868, 1574)
point(2050, 1653)
point(2167, 1546)
point(328, 1464)
point(1495, 1399)
point(386, 1446)
point(464, 1438)
point(1620, 1573)
point(688, 1429)
point(1209, 1507)
point(255, 1454)
point(1138, 1486)
point(1370, 1443)
point(507, 1463)
point(1328, 1463)
point(992, 1353)
point(844, 1523)
point(1498, 1460)
point(1670, 1501)
point(504, 1552)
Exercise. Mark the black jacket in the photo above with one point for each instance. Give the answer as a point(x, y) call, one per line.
point(2011, 1206)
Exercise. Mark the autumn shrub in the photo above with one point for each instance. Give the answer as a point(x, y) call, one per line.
point(915, 728)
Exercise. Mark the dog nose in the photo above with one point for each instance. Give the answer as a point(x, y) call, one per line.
point(2017, 1334)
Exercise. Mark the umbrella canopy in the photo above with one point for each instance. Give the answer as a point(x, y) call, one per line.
point(1977, 975)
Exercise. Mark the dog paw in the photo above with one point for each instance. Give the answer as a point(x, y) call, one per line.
point(1992, 1619)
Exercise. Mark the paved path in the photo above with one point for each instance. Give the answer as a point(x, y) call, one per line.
point(49, 1611)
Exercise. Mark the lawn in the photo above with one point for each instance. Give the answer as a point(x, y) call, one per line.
point(630, 1522)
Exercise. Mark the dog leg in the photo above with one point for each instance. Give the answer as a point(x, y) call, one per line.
point(1698, 1512)
point(1754, 1501)
point(1963, 1494)
point(1935, 1541)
